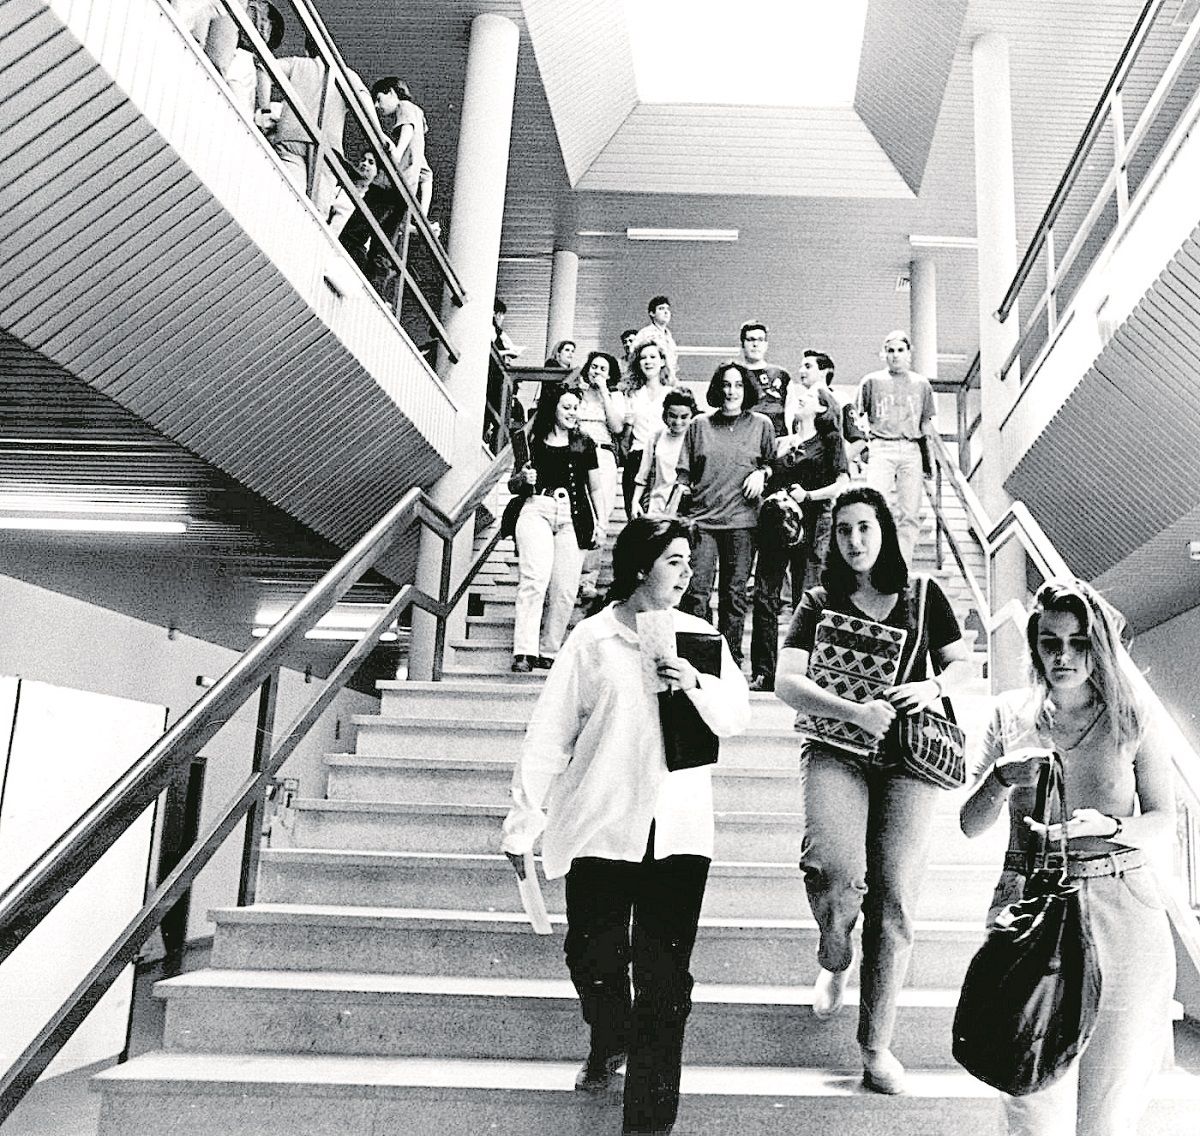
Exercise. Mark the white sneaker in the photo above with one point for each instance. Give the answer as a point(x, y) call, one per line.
point(829, 993)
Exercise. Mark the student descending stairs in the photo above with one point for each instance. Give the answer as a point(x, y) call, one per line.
point(387, 981)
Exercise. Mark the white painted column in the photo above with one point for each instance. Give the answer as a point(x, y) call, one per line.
point(564, 283)
point(476, 216)
point(922, 301)
point(996, 225)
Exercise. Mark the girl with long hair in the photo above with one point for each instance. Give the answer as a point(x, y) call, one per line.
point(1121, 812)
point(854, 805)
point(555, 526)
point(633, 840)
point(646, 386)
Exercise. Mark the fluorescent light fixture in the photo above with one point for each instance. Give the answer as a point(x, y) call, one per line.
point(342, 634)
point(935, 242)
point(63, 503)
point(599, 233)
point(702, 52)
point(93, 525)
point(682, 234)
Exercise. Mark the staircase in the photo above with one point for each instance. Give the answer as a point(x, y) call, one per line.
point(386, 980)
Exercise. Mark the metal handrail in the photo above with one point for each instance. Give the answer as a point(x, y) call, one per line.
point(1083, 148)
point(30, 898)
point(337, 73)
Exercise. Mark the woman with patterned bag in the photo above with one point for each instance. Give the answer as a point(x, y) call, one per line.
point(1119, 811)
point(861, 798)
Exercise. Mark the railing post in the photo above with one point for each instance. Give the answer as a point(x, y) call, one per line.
point(439, 638)
point(264, 732)
point(1120, 158)
point(1051, 285)
point(938, 515)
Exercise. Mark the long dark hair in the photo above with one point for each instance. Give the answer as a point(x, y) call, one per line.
point(889, 573)
point(716, 394)
point(638, 545)
point(547, 407)
point(614, 368)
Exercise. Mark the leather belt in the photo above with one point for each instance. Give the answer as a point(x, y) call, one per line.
point(559, 491)
point(1120, 860)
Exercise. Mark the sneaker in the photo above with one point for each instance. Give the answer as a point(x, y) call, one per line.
point(542, 662)
point(521, 664)
point(829, 993)
point(599, 1074)
point(762, 682)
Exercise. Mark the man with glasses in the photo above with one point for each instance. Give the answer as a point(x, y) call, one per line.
point(770, 381)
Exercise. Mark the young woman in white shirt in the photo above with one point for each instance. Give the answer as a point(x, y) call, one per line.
point(633, 840)
point(647, 385)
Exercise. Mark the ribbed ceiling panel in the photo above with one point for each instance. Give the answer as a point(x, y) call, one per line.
point(906, 58)
point(680, 148)
point(121, 267)
point(588, 79)
point(1128, 436)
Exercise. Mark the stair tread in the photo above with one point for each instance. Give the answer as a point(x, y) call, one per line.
point(316, 983)
point(518, 922)
point(331, 1074)
point(327, 1074)
point(500, 810)
point(475, 861)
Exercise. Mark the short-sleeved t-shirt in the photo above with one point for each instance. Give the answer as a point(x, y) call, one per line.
point(896, 406)
point(941, 629)
point(771, 383)
point(813, 464)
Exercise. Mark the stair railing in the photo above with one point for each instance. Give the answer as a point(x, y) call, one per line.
point(38, 890)
point(325, 155)
point(1019, 525)
point(1110, 206)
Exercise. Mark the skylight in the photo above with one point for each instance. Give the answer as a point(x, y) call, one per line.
point(748, 52)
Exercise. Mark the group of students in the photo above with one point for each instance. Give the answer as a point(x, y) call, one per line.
point(389, 104)
point(635, 841)
point(756, 476)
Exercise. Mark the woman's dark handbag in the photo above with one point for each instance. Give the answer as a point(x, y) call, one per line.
point(933, 747)
point(1029, 1000)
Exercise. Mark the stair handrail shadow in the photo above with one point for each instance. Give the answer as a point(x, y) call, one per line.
point(31, 897)
point(1019, 524)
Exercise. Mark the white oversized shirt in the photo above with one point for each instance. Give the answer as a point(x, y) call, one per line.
point(593, 755)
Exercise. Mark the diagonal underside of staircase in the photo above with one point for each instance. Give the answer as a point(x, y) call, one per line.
point(386, 980)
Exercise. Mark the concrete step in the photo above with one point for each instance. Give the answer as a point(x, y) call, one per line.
point(500, 944)
point(772, 835)
point(453, 699)
point(486, 883)
point(501, 739)
point(195, 1094)
point(484, 781)
point(403, 1015)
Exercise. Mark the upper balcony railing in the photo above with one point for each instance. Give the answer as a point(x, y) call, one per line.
point(405, 260)
point(1148, 105)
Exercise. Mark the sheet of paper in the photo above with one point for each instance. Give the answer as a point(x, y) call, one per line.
point(656, 641)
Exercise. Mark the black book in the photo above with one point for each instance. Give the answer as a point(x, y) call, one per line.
point(687, 740)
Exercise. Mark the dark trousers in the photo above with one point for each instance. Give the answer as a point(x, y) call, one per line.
point(629, 472)
point(806, 561)
point(387, 207)
point(730, 550)
point(660, 900)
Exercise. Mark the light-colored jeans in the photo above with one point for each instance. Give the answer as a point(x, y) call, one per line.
point(548, 560)
point(866, 840)
point(604, 507)
point(1106, 1091)
point(895, 470)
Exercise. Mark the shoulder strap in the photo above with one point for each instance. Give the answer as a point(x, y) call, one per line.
point(918, 628)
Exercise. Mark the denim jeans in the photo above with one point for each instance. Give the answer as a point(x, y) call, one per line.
point(866, 838)
point(548, 561)
point(607, 467)
point(732, 550)
point(895, 470)
point(805, 561)
point(1105, 1091)
point(663, 898)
